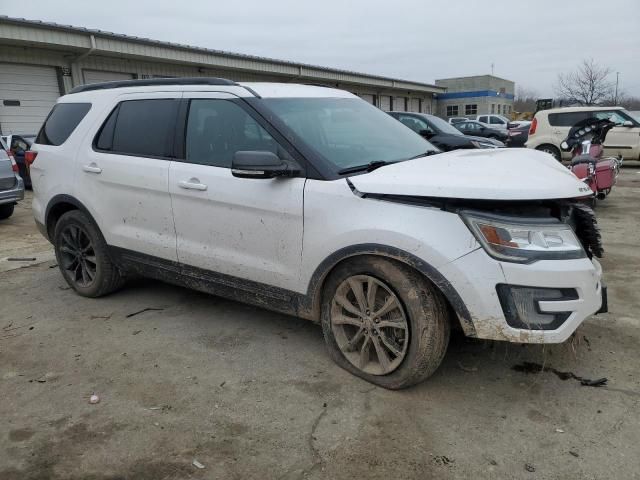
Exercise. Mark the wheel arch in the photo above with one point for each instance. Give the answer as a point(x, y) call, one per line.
point(329, 264)
point(58, 206)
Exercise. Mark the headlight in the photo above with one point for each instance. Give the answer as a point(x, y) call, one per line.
point(482, 144)
point(523, 240)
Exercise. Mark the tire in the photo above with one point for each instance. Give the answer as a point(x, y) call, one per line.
point(415, 350)
point(6, 210)
point(81, 249)
point(550, 149)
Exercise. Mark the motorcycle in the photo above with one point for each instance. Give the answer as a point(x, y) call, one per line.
point(585, 141)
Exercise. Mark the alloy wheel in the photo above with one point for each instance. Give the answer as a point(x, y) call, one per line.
point(369, 324)
point(77, 255)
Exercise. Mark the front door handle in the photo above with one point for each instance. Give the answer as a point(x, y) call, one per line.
point(92, 168)
point(192, 184)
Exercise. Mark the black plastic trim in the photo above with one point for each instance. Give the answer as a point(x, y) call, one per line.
point(150, 82)
point(57, 200)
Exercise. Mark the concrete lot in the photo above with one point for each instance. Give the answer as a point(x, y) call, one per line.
point(252, 394)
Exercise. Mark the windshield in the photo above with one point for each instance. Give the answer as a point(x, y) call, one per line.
point(443, 126)
point(348, 132)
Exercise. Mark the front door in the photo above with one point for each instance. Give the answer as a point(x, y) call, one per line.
point(249, 229)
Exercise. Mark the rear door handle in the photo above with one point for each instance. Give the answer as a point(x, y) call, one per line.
point(192, 184)
point(92, 168)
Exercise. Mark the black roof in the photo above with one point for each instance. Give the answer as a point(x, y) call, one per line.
point(152, 82)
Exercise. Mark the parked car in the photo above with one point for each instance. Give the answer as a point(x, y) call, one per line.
point(471, 127)
point(497, 122)
point(19, 145)
point(11, 185)
point(309, 201)
point(517, 136)
point(453, 120)
point(442, 134)
point(550, 127)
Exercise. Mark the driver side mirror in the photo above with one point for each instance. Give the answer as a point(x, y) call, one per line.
point(260, 164)
point(627, 123)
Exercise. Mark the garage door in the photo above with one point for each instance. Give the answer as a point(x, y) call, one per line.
point(27, 94)
point(96, 76)
point(365, 96)
point(415, 105)
point(385, 103)
point(399, 104)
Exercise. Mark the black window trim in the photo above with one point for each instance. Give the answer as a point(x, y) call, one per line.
point(169, 145)
point(179, 145)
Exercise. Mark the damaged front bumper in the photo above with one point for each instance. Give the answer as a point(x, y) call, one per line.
point(541, 302)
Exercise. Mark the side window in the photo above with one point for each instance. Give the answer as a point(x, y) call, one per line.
point(140, 127)
point(611, 115)
point(496, 121)
point(217, 129)
point(414, 123)
point(61, 122)
point(484, 118)
point(568, 119)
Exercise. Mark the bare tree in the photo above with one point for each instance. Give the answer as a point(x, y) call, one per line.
point(589, 84)
point(525, 99)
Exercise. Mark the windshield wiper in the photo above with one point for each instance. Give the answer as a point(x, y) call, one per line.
point(367, 167)
point(426, 154)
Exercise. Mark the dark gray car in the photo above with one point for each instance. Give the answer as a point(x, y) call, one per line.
point(11, 185)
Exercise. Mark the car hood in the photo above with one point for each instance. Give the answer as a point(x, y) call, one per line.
point(483, 140)
point(500, 174)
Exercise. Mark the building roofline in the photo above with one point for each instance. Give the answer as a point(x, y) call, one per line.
point(473, 76)
point(394, 82)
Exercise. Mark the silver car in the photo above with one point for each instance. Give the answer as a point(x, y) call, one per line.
point(11, 184)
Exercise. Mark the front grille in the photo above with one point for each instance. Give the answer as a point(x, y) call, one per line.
point(586, 227)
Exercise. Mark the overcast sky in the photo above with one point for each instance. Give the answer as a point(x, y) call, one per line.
point(529, 42)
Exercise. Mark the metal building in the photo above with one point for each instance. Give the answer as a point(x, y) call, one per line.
point(476, 95)
point(40, 61)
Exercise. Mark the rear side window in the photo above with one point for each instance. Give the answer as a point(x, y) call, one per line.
point(61, 122)
point(140, 127)
point(568, 119)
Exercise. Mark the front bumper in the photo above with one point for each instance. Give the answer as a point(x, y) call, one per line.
point(14, 194)
point(476, 275)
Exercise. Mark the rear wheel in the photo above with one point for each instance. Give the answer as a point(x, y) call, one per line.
point(551, 150)
point(384, 322)
point(6, 210)
point(82, 256)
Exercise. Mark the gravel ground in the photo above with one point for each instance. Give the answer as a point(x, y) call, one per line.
point(252, 394)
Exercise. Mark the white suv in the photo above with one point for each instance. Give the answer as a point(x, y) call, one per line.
point(309, 201)
point(550, 127)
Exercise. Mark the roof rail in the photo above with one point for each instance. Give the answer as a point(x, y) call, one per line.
point(153, 82)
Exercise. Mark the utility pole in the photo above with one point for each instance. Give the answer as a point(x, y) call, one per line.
point(492, 68)
point(615, 101)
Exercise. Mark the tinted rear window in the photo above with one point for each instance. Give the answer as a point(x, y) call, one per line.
point(61, 122)
point(140, 127)
point(568, 119)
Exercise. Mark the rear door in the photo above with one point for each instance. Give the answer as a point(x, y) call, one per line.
point(248, 229)
point(124, 175)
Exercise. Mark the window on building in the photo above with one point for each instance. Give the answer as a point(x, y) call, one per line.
point(499, 106)
point(452, 110)
point(493, 108)
point(471, 109)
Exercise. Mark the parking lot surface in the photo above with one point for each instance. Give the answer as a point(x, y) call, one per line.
point(184, 376)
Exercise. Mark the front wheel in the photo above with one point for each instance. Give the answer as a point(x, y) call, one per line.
point(384, 322)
